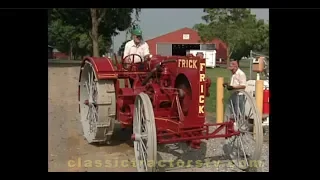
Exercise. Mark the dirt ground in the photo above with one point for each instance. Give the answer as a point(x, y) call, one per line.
point(68, 150)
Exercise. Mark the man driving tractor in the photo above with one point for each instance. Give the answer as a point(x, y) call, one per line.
point(136, 47)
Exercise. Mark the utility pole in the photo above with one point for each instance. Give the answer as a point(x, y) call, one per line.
point(250, 59)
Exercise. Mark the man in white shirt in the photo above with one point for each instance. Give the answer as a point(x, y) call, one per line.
point(238, 78)
point(238, 81)
point(136, 46)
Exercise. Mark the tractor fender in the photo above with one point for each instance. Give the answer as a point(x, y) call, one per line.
point(102, 66)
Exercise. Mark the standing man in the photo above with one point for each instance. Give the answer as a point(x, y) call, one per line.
point(136, 46)
point(238, 81)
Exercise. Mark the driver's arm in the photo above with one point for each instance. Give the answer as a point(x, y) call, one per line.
point(146, 52)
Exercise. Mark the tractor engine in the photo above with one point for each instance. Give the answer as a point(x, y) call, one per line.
point(176, 88)
point(162, 76)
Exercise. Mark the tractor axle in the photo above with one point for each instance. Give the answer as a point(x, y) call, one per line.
point(88, 103)
point(138, 137)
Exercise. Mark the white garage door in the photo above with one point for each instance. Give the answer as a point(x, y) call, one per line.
point(164, 49)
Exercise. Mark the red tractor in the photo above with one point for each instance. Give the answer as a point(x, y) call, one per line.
point(163, 101)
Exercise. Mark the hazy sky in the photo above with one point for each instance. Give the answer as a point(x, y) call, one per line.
point(156, 22)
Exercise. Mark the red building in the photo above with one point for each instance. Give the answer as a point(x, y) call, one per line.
point(59, 55)
point(50, 52)
point(179, 41)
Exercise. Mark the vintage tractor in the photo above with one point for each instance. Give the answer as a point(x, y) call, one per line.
point(163, 101)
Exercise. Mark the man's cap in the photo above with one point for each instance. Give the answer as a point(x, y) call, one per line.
point(137, 32)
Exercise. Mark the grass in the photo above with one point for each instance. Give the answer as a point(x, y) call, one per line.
point(213, 74)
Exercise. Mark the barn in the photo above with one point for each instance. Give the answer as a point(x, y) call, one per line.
point(50, 52)
point(179, 41)
point(59, 55)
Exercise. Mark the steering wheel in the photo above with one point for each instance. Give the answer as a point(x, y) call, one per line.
point(128, 65)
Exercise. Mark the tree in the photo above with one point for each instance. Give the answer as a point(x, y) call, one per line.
point(132, 26)
point(241, 51)
point(121, 48)
point(97, 22)
point(84, 45)
point(235, 27)
point(68, 40)
point(64, 37)
point(261, 42)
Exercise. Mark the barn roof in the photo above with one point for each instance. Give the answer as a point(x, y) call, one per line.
point(55, 50)
point(176, 31)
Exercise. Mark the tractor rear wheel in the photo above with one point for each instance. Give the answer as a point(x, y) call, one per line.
point(97, 101)
point(245, 149)
point(144, 134)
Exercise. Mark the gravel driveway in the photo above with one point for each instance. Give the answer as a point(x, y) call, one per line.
point(68, 151)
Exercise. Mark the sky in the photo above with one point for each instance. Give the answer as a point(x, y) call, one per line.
point(156, 22)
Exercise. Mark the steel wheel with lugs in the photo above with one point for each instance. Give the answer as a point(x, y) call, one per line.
point(97, 103)
point(245, 149)
point(144, 134)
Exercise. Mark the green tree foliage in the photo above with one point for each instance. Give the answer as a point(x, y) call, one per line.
point(67, 39)
point(100, 24)
point(236, 27)
point(132, 26)
point(64, 37)
point(84, 45)
point(261, 41)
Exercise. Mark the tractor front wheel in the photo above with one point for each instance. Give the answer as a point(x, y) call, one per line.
point(244, 149)
point(144, 134)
